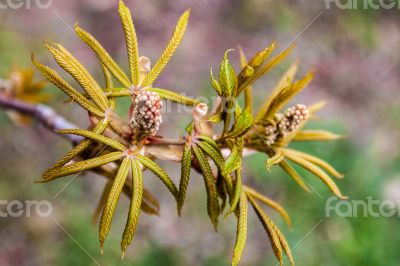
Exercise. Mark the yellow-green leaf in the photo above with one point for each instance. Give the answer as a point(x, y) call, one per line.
point(227, 77)
point(236, 193)
point(134, 207)
point(112, 200)
point(316, 135)
point(174, 97)
point(103, 56)
point(243, 123)
point(131, 41)
point(276, 159)
point(94, 136)
point(241, 230)
point(173, 43)
point(185, 175)
point(158, 171)
point(233, 162)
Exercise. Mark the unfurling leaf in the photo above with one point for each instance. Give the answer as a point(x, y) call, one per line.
point(211, 187)
point(185, 175)
point(54, 78)
point(112, 200)
point(316, 135)
point(94, 136)
point(131, 41)
point(269, 229)
point(315, 170)
point(274, 205)
point(173, 43)
point(102, 201)
point(236, 193)
point(241, 231)
point(174, 97)
point(150, 204)
point(296, 177)
point(242, 124)
point(103, 56)
point(80, 166)
point(233, 162)
point(215, 84)
point(227, 77)
point(158, 171)
point(276, 159)
point(247, 71)
point(134, 208)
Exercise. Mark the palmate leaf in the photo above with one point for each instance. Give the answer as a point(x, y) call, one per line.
point(316, 135)
point(94, 136)
point(241, 230)
point(103, 55)
point(227, 77)
point(318, 172)
point(269, 202)
point(112, 200)
point(107, 77)
point(54, 78)
point(211, 187)
point(269, 229)
point(173, 43)
point(185, 175)
point(158, 171)
point(134, 208)
point(131, 41)
point(80, 166)
point(79, 73)
point(284, 82)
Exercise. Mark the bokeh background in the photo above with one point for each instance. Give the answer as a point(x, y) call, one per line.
point(357, 56)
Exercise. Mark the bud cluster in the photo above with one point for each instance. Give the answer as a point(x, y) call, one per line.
point(146, 115)
point(286, 123)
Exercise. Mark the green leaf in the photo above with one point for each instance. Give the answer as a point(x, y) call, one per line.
point(54, 78)
point(233, 162)
point(211, 187)
point(236, 193)
point(80, 166)
point(241, 230)
point(293, 173)
point(216, 118)
point(318, 172)
point(131, 41)
point(70, 64)
point(134, 208)
point(103, 56)
point(276, 159)
point(102, 201)
point(185, 175)
point(150, 204)
point(158, 171)
point(174, 97)
point(227, 77)
point(316, 135)
point(269, 202)
point(215, 84)
point(112, 200)
point(173, 43)
point(269, 229)
point(94, 136)
point(243, 123)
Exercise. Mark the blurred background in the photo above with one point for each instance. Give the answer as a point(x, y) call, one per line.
point(357, 56)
